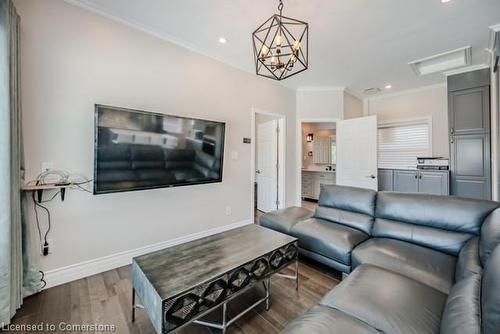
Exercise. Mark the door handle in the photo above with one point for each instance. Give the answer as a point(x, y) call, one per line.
point(371, 176)
point(257, 171)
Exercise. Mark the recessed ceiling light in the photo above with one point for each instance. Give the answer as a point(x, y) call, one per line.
point(388, 86)
point(222, 40)
point(445, 1)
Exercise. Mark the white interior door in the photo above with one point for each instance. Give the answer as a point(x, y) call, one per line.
point(357, 152)
point(267, 166)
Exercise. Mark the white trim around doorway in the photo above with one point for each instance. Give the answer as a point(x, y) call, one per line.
point(281, 157)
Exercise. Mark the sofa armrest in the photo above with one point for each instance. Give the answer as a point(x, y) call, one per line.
point(468, 260)
point(283, 220)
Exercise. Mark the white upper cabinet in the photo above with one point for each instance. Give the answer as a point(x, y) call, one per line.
point(322, 150)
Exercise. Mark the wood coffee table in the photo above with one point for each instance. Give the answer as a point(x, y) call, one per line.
point(181, 284)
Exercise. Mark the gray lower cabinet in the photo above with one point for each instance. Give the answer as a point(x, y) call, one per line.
point(429, 182)
point(436, 183)
point(385, 179)
point(405, 181)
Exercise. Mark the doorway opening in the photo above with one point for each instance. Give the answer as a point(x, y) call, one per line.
point(268, 161)
point(318, 149)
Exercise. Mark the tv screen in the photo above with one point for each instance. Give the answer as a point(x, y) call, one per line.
point(143, 150)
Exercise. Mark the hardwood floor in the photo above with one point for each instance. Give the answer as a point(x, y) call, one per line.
point(105, 299)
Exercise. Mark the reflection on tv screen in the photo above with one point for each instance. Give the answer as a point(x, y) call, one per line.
point(142, 150)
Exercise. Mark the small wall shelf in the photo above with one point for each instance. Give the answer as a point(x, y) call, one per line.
point(50, 186)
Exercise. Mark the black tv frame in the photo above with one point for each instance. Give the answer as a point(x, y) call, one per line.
point(102, 192)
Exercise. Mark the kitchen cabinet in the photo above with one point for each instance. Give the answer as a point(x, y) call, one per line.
point(313, 182)
point(469, 126)
point(406, 181)
point(322, 150)
point(385, 177)
point(436, 182)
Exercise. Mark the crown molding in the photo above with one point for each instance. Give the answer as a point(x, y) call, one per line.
point(494, 31)
point(407, 91)
point(466, 69)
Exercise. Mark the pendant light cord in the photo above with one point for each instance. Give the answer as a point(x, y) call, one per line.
point(280, 7)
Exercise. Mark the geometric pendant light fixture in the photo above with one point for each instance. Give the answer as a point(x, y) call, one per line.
point(281, 46)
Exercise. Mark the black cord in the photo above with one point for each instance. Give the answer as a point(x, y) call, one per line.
point(37, 221)
point(82, 188)
point(42, 279)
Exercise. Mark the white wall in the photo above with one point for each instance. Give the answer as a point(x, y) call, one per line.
point(321, 103)
point(429, 101)
point(72, 59)
point(353, 107)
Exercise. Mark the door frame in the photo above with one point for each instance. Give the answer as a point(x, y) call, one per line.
point(281, 157)
point(299, 154)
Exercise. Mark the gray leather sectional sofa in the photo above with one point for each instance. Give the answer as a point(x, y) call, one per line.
point(417, 263)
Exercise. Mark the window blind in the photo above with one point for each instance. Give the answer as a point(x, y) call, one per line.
point(400, 145)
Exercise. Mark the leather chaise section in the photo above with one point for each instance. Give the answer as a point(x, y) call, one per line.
point(325, 320)
point(490, 294)
point(388, 302)
point(348, 198)
point(442, 240)
point(334, 241)
point(468, 260)
point(462, 313)
point(425, 265)
point(283, 220)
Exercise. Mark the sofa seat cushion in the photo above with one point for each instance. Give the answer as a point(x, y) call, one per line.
point(425, 265)
point(283, 220)
point(331, 240)
point(325, 320)
point(387, 301)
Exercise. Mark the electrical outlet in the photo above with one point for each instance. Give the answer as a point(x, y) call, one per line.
point(45, 166)
point(228, 210)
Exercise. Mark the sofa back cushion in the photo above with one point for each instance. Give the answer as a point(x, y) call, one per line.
point(349, 206)
point(462, 313)
point(439, 222)
point(490, 294)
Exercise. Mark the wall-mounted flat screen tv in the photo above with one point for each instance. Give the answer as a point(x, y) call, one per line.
point(137, 150)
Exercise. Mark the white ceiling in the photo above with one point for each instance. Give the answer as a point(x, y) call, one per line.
point(353, 43)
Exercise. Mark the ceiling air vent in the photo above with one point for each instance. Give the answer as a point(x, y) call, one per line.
point(372, 91)
point(443, 61)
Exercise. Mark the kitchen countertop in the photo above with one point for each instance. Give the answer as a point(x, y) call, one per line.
point(318, 170)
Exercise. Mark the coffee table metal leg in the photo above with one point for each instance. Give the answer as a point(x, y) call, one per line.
point(297, 274)
point(294, 277)
point(268, 293)
point(133, 305)
point(226, 323)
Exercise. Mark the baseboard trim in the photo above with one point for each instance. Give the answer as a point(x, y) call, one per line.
point(80, 270)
